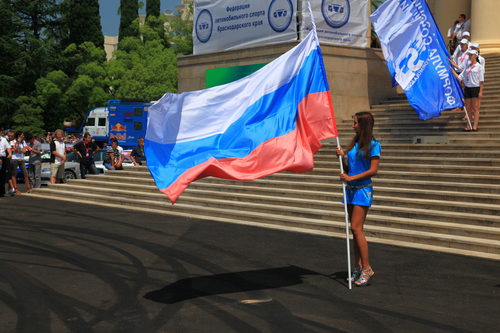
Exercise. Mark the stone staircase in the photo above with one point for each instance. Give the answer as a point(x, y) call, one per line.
point(440, 194)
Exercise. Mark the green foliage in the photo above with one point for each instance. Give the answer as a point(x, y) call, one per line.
point(142, 70)
point(28, 117)
point(82, 21)
point(39, 17)
point(180, 34)
point(129, 23)
point(154, 29)
point(10, 49)
point(52, 70)
point(64, 96)
point(152, 8)
point(28, 49)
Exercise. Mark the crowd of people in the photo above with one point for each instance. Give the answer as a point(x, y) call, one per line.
point(16, 145)
point(469, 68)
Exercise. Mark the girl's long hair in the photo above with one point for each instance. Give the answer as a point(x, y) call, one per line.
point(365, 134)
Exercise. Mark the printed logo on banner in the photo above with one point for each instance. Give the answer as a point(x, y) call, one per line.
point(280, 14)
point(413, 60)
point(415, 57)
point(204, 26)
point(336, 12)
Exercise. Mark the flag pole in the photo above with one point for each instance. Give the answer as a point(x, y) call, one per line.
point(346, 213)
point(467, 117)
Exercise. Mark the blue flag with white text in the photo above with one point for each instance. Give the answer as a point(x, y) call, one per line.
point(416, 56)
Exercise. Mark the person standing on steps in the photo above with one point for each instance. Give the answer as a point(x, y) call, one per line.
point(5, 155)
point(85, 150)
point(57, 157)
point(361, 163)
point(472, 79)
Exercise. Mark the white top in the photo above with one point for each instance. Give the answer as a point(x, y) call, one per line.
point(472, 76)
point(119, 149)
point(481, 61)
point(20, 146)
point(60, 148)
point(451, 30)
point(460, 28)
point(4, 145)
point(457, 54)
point(462, 61)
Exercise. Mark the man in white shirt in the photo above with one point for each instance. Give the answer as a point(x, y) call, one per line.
point(19, 149)
point(462, 26)
point(114, 157)
point(57, 157)
point(5, 155)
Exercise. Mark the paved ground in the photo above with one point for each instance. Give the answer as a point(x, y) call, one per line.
point(79, 268)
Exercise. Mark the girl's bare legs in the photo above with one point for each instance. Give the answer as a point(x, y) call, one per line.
point(357, 258)
point(470, 113)
point(475, 108)
point(357, 215)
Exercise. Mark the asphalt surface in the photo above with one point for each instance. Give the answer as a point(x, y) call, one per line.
point(79, 268)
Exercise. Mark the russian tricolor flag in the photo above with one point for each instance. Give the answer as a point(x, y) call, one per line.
point(270, 121)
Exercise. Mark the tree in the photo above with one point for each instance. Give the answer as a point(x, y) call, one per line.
point(29, 116)
point(38, 16)
point(180, 33)
point(10, 50)
point(83, 22)
point(152, 8)
point(64, 97)
point(129, 23)
point(142, 70)
point(28, 47)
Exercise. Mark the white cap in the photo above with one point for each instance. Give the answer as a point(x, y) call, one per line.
point(476, 45)
point(464, 41)
point(465, 33)
point(472, 52)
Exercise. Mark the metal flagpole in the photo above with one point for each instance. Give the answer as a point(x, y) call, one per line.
point(346, 213)
point(343, 183)
point(467, 116)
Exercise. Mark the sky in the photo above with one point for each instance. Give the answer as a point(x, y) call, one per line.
point(110, 19)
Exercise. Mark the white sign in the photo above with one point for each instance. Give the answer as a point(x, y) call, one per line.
point(340, 22)
point(220, 25)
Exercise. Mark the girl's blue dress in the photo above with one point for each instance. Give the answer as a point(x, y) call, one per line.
point(360, 192)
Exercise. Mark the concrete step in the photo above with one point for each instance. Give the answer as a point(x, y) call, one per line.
point(436, 210)
point(486, 130)
point(329, 192)
point(472, 202)
point(387, 123)
point(329, 154)
point(454, 121)
point(329, 221)
point(412, 175)
point(465, 140)
point(316, 181)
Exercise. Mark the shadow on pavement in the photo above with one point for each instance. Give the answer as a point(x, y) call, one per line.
point(226, 283)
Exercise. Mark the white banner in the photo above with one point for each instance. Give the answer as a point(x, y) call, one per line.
point(220, 25)
point(340, 22)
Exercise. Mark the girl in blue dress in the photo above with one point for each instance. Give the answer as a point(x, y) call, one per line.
point(363, 157)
